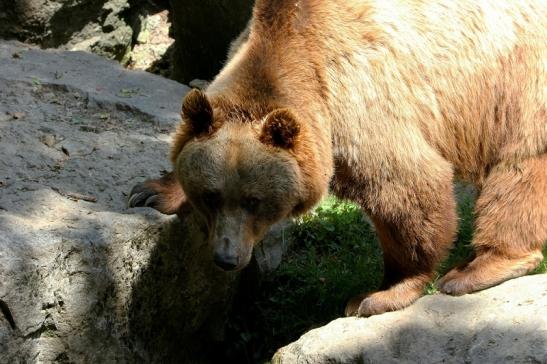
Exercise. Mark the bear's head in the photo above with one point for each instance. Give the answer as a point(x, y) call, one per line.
point(244, 174)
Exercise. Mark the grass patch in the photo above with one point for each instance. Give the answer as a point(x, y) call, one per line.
point(335, 255)
point(542, 268)
point(462, 249)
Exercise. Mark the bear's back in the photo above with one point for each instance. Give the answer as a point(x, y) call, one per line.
point(467, 77)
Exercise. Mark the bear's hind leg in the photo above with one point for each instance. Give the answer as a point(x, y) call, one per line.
point(414, 240)
point(511, 227)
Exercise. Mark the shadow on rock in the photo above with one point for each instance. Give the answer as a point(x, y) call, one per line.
point(71, 19)
point(58, 292)
point(32, 20)
point(180, 301)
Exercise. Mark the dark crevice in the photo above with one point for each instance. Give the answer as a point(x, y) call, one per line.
point(47, 326)
point(7, 314)
point(203, 39)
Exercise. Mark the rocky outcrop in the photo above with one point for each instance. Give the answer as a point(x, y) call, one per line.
point(504, 324)
point(83, 279)
point(203, 31)
point(105, 27)
point(153, 47)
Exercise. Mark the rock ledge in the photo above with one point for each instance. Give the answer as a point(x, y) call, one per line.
point(504, 324)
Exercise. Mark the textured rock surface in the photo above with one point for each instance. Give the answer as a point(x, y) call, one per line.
point(82, 278)
point(102, 26)
point(102, 83)
point(111, 28)
point(152, 50)
point(504, 324)
point(203, 31)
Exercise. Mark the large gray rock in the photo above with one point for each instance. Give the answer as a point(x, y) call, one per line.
point(102, 26)
point(103, 84)
point(504, 324)
point(83, 279)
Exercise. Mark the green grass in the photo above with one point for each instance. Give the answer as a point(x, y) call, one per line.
point(461, 249)
point(542, 268)
point(335, 255)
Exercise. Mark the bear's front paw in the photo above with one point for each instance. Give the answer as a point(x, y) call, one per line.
point(143, 195)
point(352, 308)
point(366, 305)
point(454, 283)
point(164, 194)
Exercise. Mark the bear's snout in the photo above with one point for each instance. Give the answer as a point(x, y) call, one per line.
point(226, 257)
point(226, 262)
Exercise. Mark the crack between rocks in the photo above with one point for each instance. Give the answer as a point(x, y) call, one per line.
point(45, 326)
point(36, 333)
point(4, 308)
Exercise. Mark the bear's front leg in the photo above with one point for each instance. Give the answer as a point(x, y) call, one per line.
point(416, 225)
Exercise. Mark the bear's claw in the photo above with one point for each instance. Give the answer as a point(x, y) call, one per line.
point(142, 196)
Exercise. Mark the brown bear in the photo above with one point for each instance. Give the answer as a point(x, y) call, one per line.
point(387, 102)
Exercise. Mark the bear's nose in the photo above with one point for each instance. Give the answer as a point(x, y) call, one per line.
point(226, 262)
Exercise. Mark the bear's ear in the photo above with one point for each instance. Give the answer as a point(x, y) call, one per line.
point(197, 112)
point(280, 129)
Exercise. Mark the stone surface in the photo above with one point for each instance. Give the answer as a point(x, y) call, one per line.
point(150, 53)
point(104, 27)
point(203, 31)
point(83, 279)
point(103, 84)
point(133, 32)
point(504, 324)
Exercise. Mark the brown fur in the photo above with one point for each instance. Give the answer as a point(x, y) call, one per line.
point(163, 194)
point(511, 227)
point(392, 99)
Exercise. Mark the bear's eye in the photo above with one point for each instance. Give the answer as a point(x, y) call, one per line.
point(211, 198)
point(250, 204)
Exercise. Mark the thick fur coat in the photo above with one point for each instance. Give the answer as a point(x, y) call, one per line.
point(387, 102)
